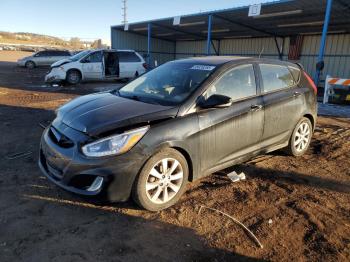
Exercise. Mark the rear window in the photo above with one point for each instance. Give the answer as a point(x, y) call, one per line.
point(275, 77)
point(128, 57)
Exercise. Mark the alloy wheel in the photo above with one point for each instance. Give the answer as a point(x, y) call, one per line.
point(164, 180)
point(302, 137)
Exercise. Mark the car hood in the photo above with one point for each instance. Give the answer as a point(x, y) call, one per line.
point(61, 62)
point(102, 112)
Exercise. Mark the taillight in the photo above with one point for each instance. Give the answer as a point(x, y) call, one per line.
point(311, 82)
point(145, 66)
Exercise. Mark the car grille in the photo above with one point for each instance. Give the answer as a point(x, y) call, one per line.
point(60, 139)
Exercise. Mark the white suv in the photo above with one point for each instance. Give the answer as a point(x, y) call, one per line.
point(97, 64)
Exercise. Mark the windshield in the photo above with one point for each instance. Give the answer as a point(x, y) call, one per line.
point(79, 55)
point(168, 84)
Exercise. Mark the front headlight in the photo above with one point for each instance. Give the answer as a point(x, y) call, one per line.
point(114, 145)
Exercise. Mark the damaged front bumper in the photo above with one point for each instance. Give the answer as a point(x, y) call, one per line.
point(55, 75)
point(63, 164)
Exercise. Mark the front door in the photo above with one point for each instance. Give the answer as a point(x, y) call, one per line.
point(228, 133)
point(283, 102)
point(92, 66)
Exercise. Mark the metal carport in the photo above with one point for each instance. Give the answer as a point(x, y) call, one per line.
point(278, 20)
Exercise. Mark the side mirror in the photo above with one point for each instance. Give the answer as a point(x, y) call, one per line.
point(215, 101)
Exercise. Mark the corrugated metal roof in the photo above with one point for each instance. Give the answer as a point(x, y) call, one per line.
point(279, 18)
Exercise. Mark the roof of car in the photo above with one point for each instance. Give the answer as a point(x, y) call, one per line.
point(220, 60)
point(111, 50)
point(212, 60)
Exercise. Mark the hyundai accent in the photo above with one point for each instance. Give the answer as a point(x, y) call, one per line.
point(177, 123)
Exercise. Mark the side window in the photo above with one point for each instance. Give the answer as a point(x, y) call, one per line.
point(295, 72)
point(128, 57)
point(275, 77)
point(237, 83)
point(42, 54)
point(51, 53)
point(94, 58)
point(59, 53)
point(54, 53)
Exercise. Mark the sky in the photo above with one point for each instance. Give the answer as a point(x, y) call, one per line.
point(91, 19)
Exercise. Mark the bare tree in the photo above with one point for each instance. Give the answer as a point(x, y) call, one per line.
point(75, 42)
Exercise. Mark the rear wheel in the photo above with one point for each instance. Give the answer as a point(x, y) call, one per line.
point(301, 137)
point(30, 64)
point(73, 77)
point(161, 181)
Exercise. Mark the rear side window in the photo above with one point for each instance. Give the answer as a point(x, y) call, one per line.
point(295, 72)
point(238, 83)
point(275, 77)
point(60, 53)
point(128, 57)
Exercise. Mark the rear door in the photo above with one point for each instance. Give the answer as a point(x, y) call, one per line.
point(92, 66)
point(283, 102)
point(128, 64)
point(229, 133)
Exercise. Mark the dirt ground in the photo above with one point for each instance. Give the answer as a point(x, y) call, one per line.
point(299, 208)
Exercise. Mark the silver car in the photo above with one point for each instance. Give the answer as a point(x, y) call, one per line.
point(43, 58)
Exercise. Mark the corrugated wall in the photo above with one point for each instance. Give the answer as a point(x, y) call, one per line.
point(245, 47)
point(337, 53)
point(163, 51)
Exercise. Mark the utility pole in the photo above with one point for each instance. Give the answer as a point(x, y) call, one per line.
point(124, 10)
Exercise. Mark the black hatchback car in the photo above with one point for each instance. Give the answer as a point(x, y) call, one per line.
point(179, 122)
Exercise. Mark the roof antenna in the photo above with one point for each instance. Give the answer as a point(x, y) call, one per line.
point(262, 50)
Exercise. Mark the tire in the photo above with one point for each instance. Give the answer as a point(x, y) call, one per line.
point(164, 189)
point(73, 77)
point(302, 133)
point(30, 65)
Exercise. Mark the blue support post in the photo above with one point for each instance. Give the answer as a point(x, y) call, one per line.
point(149, 44)
point(323, 39)
point(210, 17)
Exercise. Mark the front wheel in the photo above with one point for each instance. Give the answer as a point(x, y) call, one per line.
point(30, 64)
point(161, 181)
point(73, 77)
point(301, 138)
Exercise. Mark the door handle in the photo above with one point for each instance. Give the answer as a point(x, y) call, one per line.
point(296, 94)
point(255, 108)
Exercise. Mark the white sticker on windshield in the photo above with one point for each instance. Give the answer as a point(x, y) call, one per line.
point(202, 67)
